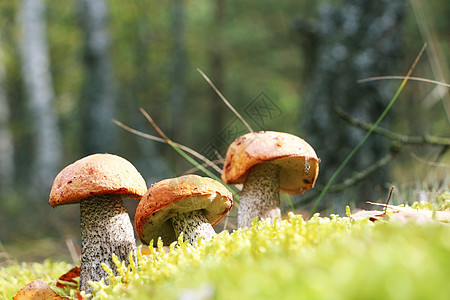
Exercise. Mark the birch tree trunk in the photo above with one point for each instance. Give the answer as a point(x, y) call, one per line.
point(37, 78)
point(99, 103)
point(6, 139)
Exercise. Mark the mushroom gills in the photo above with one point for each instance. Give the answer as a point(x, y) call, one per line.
point(260, 195)
point(105, 229)
point(193, 225)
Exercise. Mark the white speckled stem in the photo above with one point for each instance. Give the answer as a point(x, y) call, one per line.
point(105, 229)
point(193, 225)
point(260, 195)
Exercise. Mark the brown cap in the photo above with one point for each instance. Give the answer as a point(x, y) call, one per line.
point(179, 195)
point(297, 159)
point(95, 175)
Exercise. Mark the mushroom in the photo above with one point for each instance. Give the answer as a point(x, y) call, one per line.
point(98, 183)
point(268, 162)
point(190, 204)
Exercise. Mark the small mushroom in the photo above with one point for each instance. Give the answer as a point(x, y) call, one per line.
point(98, 183)
point(189, 204)
point(266, 163)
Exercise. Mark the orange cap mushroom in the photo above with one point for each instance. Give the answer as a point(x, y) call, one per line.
point(283, 162)
point(95, 175)
point(98, 183)
point(170, 203)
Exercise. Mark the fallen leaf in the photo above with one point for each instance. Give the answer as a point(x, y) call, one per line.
point(69, 277)
point(373, 215)
point(416, 216)
point(406, 214)
point(37, 290)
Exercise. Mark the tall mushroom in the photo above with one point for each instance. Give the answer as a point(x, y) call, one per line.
point(98, 183)
point(268, 162)
point(190, 204)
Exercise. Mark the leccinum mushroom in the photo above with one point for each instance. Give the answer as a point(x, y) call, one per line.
point(98, 183)
point(266, 163)
point(189, 204)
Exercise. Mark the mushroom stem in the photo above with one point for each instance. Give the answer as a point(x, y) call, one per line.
point(193, 225)
point(105, 229)
point(260, 195)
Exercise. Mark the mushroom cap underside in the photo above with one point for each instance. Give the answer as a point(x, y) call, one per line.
point(299, 164)
point(183, 194)
point(94, 175)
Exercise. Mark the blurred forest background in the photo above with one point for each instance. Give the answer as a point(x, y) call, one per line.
point(69, 68)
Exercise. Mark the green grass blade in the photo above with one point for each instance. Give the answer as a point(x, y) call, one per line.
point(288, 198)
point(375, 125)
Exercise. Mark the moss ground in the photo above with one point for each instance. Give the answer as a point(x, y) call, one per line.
point(323, 258)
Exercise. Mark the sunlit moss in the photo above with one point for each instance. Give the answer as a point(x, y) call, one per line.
point(16, 276)
point(332, 257)
point(442, 201)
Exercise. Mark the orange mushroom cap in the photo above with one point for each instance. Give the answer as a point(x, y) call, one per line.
point(297, 159)
point(94, 175)
point(179, 195)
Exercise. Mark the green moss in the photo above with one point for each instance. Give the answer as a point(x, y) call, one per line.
point(442, 201)
point(323, 258)
point(16, 276)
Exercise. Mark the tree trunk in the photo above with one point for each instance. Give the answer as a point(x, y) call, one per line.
point(6, 140)
point(148, 157)
point(99, 103)
point(177, 77)
point(39, 92)
point(217, 67)
point(353, 40)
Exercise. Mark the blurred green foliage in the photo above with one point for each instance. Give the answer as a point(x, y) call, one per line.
point(261, 51)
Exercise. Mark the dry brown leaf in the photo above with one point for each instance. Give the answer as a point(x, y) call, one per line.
point(69, 276)
point(37, 290)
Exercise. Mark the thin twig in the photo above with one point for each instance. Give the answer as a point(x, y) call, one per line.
point(405, 139)
point(219, 156)
point(225, 100)
point(360, 176)
point(140, 133)
point(389, 199)
point(430, 163)
point(196, 168)
point(147, 116)
point(180, 151)
point(72, 251)
point(403, 77)
point(161, 140)
point(408, 75)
